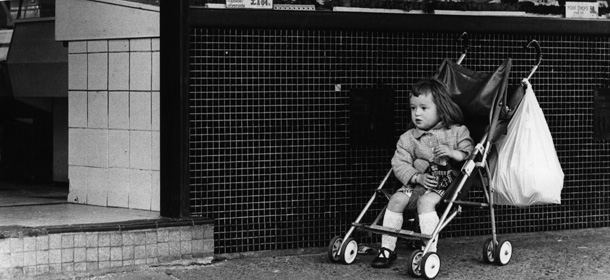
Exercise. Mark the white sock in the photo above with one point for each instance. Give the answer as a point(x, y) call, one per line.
point(427, 224)
point(392, 220)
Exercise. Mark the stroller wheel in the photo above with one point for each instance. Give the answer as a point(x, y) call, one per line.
point(489, 254)
point(430, 265)
point(349, 251)
point(504, 252)
point(415, 261)
point(334, 248)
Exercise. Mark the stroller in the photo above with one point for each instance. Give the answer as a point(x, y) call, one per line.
point(488, 104)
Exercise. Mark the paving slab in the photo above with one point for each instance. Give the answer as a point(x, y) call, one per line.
point(572, 254)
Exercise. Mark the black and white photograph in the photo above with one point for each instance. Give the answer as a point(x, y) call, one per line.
point(304, 139)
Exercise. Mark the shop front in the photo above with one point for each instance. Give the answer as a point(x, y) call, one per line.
point(271, 154)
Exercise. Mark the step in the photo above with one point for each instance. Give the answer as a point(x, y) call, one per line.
point(83, 250)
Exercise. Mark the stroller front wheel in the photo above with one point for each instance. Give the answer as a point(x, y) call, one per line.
point(430, 265)
point(415, 261)
point(349, 251)
point(333, 249)
point(489, 254)
point(504, 252)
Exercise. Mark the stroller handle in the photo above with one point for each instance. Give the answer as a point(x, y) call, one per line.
point(536, 46)
point(465, 46)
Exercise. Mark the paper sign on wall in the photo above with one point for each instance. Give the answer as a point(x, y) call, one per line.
point(250, 4)
point(582, 10)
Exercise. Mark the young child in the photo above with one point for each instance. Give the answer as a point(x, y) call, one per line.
point(426, 161)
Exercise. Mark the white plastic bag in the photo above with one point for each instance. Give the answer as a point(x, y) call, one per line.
point(527, 171)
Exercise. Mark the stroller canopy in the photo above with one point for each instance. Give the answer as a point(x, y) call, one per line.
point(478, 94)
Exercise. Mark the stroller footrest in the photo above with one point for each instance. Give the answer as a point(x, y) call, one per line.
point(468, 203)
point(392, 231)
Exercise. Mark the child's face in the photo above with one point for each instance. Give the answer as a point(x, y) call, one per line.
point(424, 114)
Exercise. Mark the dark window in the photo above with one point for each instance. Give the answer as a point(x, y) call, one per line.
point(372, 117)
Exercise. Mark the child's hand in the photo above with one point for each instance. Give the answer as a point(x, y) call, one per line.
point(443, 150)
point(427, 180)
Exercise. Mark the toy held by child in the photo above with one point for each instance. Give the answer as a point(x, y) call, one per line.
point(424, 162)
point(443, 175)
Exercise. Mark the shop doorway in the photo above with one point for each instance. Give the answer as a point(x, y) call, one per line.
point(33, 151)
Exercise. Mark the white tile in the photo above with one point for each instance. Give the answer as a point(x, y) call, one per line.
point(156, 151)
point(97, 71)
point(97, 46)
point(156, 71)
point(77, 109)
point(78, 184)
point(97, 109)
point(118, 109)
point(140, 67)
point(97, 188)
point(97, 148)
point(136, 45)
point(77, 47)
point(77, 149)
point(118, 148)
point(118, 71)
point(155, 194)
point(140, 149)
point(156, 43)
point(118, 187)
point(156, 111)
point(77, 71)
point(140, 185)
point(29, 259)
point(17, 259)
point(118, 45)
point(140, 110)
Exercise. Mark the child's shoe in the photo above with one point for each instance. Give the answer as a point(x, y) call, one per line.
point(381, 261)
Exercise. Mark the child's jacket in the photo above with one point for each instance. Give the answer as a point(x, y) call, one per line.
point(414, 148)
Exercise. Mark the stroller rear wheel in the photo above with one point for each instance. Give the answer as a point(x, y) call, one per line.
point(489, 254)
point(333, 249)
point(349, 251)
point(499, 254)
point(415, 261)
point(504, 252)
point(430, 265)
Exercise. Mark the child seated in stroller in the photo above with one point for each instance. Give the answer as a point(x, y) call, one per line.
point(425, 161)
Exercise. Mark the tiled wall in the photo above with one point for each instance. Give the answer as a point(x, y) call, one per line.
point(29, 256)
point(114, 123)
point(270, 153)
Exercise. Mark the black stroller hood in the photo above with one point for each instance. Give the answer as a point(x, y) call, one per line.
point(478, 94)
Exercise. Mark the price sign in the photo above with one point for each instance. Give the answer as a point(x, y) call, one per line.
point(582, 10)
point(250, 4)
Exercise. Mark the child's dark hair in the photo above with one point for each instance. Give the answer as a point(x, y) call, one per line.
point(449, 112)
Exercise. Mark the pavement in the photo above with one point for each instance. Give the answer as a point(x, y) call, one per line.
point(582, 254)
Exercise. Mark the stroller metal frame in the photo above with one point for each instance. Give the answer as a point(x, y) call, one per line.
point(423, 262)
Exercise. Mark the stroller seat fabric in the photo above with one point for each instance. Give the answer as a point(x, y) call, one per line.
point(475, 92)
